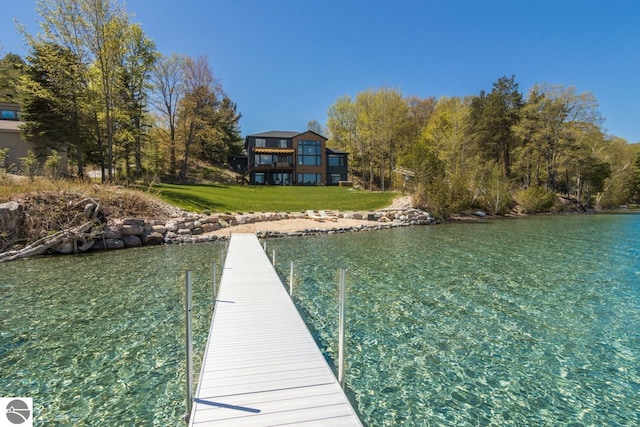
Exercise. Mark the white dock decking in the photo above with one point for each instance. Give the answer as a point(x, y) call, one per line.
point(261, 365)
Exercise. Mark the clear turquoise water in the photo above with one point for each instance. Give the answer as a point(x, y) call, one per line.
point(98, 340)
point(532, 321)
point(513, 322)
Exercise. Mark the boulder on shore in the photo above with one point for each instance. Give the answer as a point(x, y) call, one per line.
point(10, 216)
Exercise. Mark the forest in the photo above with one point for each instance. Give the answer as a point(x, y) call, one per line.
point(94, 86)
point(490, 151)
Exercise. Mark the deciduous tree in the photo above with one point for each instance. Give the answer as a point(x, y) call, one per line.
point(168, 85)
point(197, 111)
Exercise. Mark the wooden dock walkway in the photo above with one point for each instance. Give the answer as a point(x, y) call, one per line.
point(261, 365)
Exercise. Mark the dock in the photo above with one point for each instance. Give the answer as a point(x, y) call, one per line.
point(261, 366)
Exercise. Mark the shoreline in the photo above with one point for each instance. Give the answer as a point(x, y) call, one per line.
point(94, 235)
point(187, 227)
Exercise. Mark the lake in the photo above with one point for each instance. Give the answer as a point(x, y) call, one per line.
point(531, 321)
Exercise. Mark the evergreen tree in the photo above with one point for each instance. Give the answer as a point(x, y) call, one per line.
point(52, 105)
point(11, 69)
point(492, 119)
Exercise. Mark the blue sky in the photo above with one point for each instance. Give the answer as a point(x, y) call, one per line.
point(284, 62)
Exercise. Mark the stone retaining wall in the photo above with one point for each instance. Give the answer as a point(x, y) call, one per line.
point(191, 228)
point(188, 228)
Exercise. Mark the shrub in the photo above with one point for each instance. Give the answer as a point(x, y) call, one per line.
point(535, 199)
point(4, 154)
point(52, 165)
point(30, 165)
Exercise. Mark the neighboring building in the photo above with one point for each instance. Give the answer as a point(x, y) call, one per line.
point(10, 133)
point(10, 138)
point(291, 158)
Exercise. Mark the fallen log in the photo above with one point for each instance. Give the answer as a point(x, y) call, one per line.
point(43, 245)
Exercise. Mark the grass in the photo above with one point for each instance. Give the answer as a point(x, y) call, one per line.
point(241, 198)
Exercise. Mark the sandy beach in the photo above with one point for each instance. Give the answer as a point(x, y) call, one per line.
point(290, 226)
point(301, 224)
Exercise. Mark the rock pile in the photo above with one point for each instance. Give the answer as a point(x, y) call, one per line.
point(380, 220)
point(191, 228)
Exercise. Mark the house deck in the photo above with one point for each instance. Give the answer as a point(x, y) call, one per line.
point(261, 365)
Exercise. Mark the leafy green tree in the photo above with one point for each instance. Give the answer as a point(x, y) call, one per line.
point(343, 132)
point(134, 84)
point(104, 29)
point(420, 112)
point(445, 133)
point(374, 129)
point(619, 187)
point(112, 83)
point(535, 199)
point(197, 111)
point(634, 181)
point(11, 70)
point(432, 192)
point(559, 130)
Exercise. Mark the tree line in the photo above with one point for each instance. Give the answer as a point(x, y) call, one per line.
point(488, 151)
point(94, 86)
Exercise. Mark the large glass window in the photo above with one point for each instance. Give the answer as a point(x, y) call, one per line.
point(282, 143)
point(309, 153)
point(279, 160)
point(335, 178)
point(258, 178)
point(309, 178)
point(263, 159)
point(9, 115)
point(281, 178)
point(283, 160)
point(336, 160)
point(261, 142)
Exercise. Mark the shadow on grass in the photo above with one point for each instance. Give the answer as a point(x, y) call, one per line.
point(189, 184)
point(190, 202)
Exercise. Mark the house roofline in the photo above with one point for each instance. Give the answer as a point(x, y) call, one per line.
point(283, 134)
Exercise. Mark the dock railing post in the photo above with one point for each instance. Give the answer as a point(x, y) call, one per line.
point(189, 344)
point(291, 279)
point(273, 258)
point(213, 282)
point(341, 352)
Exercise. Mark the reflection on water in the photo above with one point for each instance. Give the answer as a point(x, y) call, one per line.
point(514, 322)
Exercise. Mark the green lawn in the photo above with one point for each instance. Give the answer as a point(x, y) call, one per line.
point(242, 198)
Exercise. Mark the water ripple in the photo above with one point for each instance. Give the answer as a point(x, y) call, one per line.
point(515, 322)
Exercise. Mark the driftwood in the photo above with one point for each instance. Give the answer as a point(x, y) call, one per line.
point(43, 245)
point(70, 240)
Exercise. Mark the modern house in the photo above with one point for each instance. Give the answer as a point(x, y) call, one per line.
point(291, 158)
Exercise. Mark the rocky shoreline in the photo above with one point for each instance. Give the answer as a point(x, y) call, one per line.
point(95, 234)
point(194, 228)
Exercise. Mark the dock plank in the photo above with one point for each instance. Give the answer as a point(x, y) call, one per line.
point(261, 365)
